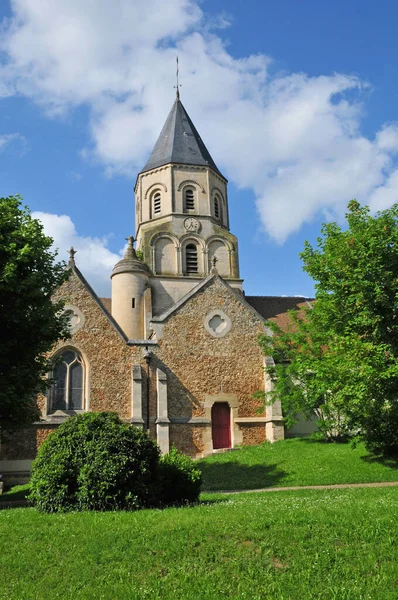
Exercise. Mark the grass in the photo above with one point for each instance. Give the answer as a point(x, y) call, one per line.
point(339, 544)
point(294, 462)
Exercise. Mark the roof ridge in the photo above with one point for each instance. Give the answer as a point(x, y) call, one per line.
point(97, 299)
point(305, 297)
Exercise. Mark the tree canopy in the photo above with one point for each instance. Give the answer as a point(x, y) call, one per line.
point(30, 323)
point(339, 358)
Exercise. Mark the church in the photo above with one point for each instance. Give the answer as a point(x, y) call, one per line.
point(175, 349)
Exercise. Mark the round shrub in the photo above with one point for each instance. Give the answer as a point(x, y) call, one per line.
point(95, 461)
point(180, 480)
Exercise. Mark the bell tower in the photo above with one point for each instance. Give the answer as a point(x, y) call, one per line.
point(182, 219)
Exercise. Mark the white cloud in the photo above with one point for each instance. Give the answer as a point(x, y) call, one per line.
point(8, 138)
point(294, 140)
point(93, 258)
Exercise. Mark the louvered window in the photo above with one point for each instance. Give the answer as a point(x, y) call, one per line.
point(217, 207)
point(66, 392)
point(191, 258)
point(189, 199)
point(157, 206)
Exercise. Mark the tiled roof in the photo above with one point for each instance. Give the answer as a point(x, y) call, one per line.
point(274, 308)
point(107, 302)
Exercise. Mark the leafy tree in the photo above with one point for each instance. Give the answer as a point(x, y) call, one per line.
point(30, 323)
point(339, 358)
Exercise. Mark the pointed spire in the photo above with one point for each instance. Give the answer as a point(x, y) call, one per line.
point(130, 251)
point(179, 142)
point(130, 263)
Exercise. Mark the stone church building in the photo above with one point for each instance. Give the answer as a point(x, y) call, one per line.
point(175, 349)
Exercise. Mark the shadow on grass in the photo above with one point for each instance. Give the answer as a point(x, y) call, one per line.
point(212, 500)
point(14, 497)
point(387, 461)
point(237, 476)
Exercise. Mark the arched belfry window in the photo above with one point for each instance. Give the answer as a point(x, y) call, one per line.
point(191, 258)
point(67, 388)
point(217, 207)
point(189, 199)
point(157, 203)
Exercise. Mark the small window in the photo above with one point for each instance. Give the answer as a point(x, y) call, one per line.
point(189, 199)
point(217, 207)
point(157, 206)
point(66, 392)
point(191, 258)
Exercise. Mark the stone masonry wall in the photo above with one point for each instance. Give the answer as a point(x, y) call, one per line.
point(107, 357)
point(199, 364)
point(25, 444)
point(107, 361)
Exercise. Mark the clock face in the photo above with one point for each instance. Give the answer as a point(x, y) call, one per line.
point(192, 224)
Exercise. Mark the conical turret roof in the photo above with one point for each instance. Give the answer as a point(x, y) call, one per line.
point(179, 142)
point(130, 263)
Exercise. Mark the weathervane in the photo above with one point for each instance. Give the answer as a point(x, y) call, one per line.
point(177, 87)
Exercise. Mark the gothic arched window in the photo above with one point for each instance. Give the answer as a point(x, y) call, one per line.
point(191, 258)
point(157, 203)
point(67, 388)
point(189, 199)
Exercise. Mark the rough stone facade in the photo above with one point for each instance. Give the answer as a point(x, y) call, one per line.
point(230, 364)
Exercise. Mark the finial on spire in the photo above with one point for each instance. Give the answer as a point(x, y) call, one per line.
point(130, 252)
point(131, 240)
point(71, 253)
point(177, 87)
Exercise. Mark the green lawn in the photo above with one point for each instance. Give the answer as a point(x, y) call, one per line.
point(294, 462)
point(337, 545)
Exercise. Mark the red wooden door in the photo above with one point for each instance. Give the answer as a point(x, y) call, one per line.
point(221, 425)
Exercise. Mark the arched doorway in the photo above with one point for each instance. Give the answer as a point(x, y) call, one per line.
point(221, 425)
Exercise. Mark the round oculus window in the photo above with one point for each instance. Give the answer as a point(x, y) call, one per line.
point(217, 323)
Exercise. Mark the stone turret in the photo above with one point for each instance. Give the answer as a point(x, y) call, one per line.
point(130, 278)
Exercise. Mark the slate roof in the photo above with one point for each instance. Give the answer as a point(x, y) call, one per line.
point(274, 308)
point(179, 142)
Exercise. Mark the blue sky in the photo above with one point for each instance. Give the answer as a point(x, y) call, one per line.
point(296, 102)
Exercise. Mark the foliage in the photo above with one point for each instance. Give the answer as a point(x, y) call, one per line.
point(294, 462)
point(30, 323)
point(95, 462)
point(339, 358)
point(140, 255)
point(312, 545)
point(180, 479)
